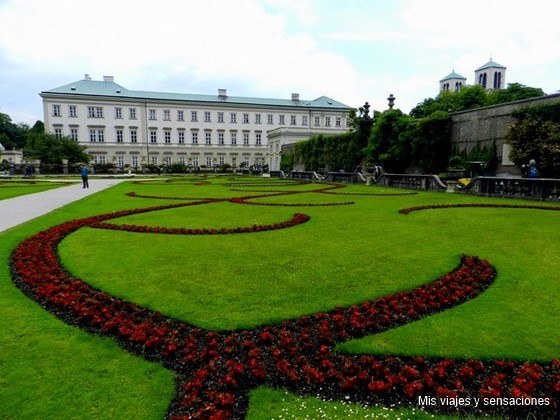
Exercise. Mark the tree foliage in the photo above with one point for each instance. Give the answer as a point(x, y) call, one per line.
point(471, 97)
point(12, 136)
point(421, 140)
point(51, 149)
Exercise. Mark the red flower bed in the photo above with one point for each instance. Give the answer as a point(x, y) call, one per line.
point(477, 205)
point(217, 370)
point(298, 218)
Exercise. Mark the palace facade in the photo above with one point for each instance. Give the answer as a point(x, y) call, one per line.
point(135, 128)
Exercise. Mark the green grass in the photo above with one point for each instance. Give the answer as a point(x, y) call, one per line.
point(343, 255)
point(15, 188)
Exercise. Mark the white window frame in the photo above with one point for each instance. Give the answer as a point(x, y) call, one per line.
point(133, 136)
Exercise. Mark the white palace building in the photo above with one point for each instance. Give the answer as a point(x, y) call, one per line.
point(135, 128)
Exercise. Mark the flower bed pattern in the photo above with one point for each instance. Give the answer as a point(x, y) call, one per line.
point(478, 205)
point(216, 370)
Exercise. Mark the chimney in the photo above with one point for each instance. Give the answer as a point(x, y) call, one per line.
point(222, 94)
point(108, 79)
point(295, 96)
point(87, 77)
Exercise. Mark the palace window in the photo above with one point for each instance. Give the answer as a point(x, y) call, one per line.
point(132, 113)
point(72, 112)
point(119, 136)
point(167, 136)
point(133, 136)
point(152, 114)
point(166, 115)
point(118, 113)
point(56, 111)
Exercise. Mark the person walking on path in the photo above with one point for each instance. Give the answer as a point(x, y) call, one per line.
point(85, 177)
point(17, 210)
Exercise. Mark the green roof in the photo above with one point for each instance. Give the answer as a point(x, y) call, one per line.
point(113, 90)
point(489, 65)
point(453, 75)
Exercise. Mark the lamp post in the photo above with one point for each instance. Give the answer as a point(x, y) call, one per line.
point(391, 100)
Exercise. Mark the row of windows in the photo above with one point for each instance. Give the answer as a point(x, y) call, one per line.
point(97, 112)
point(209, 161)
point(97, 135)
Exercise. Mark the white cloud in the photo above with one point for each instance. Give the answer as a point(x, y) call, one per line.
point(352, 51)
point(211, 40)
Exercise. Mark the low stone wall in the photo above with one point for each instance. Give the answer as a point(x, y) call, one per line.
point(305, 175)
point(544, 189)
point(412, 182)
point(346, 177)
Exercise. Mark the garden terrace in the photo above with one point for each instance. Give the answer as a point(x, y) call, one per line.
point(218, 305)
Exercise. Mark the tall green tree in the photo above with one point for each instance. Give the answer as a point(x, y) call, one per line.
point(12, 136)
point(389, 144)
point(431, 142)
point(51, 149)
point(514, 92)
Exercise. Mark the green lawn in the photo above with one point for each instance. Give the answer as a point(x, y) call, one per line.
point(15, 188)
point(344, 255)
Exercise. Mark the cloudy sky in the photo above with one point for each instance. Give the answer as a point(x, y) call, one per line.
point(352, 50)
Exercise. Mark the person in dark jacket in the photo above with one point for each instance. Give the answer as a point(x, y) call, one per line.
point(85, 183)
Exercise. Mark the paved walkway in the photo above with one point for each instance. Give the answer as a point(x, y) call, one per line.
point(17, 210)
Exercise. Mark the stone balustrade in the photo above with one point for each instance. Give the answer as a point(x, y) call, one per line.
point(411, 181)
point(545, 189)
